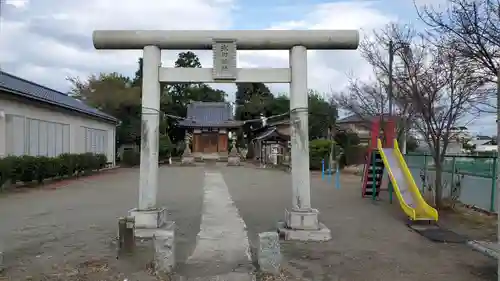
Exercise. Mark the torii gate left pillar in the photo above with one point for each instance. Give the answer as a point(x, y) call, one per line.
point(301, 220)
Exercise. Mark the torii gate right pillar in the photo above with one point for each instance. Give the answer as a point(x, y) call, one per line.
point(301, 221)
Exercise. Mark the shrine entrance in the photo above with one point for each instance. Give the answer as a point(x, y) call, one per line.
point(210, 142)
point(301, 218)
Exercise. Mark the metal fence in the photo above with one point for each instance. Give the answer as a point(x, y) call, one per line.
point(468, 179)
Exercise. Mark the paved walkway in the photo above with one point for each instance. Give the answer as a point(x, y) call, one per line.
point(69, 233)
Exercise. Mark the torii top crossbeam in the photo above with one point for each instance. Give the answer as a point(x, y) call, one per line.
point(246, 39)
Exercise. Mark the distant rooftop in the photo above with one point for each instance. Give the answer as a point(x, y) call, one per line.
point(33, 91)
point(460, 128)
point(356, 118)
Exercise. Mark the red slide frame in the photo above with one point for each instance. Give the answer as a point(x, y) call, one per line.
point(388, 141)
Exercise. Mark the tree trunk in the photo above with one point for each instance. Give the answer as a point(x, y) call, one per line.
point(438, 190)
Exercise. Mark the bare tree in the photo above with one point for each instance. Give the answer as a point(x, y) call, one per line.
point(432, 84)
point(444, 92)
point(472, 30)
point(362, 98)
point(366, 99)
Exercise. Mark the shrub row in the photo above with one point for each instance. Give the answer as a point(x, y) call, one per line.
point(319, 149)
point(354, 155)
point(131, 158)
point(38, 168)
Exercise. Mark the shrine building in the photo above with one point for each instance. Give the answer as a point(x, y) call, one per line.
point(209, 123)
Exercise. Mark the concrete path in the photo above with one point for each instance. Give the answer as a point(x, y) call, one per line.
point(69, 233)
point(222, 245)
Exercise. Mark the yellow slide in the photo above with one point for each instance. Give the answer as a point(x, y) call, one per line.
point(407, 192)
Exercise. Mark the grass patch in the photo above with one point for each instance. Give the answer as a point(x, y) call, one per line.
point(470, 222)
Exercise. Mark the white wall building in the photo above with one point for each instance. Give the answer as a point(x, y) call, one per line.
point(36, 120)
point(483, 144)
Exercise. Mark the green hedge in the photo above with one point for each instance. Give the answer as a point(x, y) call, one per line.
point(131, 158)
point(319, 149)
point(353, 155)
point(165, 147)
point(38, 168)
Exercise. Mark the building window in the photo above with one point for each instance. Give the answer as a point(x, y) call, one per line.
point(26, 136)
point(96, 141)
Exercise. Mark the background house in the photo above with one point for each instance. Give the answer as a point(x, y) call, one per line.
point(210, 123)
point(483, 144)
point(460, 133)
point(361, 125)
point(271, 143)
point(36, 120)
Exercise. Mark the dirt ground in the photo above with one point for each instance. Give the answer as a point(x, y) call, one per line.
point(469, 222)
point(370, 239)
point(69, 233)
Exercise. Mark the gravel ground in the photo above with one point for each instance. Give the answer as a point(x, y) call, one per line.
point(69, 233)
point(370, 240)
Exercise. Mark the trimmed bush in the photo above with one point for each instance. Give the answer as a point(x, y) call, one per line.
point(165, 147)
point(354, 155)
point(131, 158)
point(39, 168)
point(319, 149)
point(5, 170)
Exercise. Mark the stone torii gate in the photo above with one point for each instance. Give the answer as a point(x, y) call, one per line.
point(301, 222)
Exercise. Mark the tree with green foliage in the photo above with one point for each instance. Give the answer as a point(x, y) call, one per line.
point(179, 91)
point(411, 144)
point(346, 139)
point(115, 95)
point(137, 81)
point(176, 97)
point(322, 115)
point(252, 100)
point(279, 105)
point(165, 147)
point(120, 97)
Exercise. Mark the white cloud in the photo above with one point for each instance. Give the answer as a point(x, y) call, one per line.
point(56, 36)
point(45, 42)
point(434, 3)
point(20, 4)
point(328, 69)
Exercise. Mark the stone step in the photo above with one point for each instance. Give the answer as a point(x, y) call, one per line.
point(491, 249)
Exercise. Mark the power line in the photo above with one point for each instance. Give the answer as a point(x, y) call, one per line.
point(262, 119)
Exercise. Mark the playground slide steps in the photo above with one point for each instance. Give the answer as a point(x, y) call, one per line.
point(379, 171)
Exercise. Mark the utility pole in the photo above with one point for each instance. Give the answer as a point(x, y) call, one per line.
point(391, 62)
point(404, 137)
point(392, 49)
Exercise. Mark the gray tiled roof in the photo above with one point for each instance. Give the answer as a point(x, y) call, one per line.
point(355, 118)
point(350, 118)
point(209, 114)
point(30, 90)
point(272, 134)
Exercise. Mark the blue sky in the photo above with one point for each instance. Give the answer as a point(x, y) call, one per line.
point(276, 11)
point(47, 41)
